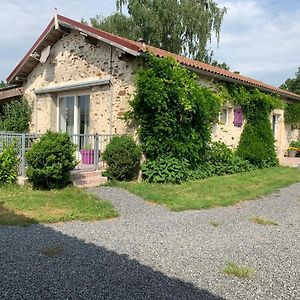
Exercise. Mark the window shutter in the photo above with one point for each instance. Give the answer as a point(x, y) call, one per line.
point(238, 117)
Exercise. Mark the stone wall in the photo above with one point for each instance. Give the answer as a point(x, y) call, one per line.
point(72, 60)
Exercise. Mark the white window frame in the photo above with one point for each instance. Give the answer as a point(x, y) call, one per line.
point(227, 115)
point(275, 124)
point(76, 109)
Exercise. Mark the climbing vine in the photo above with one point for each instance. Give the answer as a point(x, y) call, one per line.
point(175, 115)
point(257, 143)
point(174, 112)
point(292, 114)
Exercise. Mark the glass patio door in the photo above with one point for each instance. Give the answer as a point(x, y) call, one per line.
point(74, 114)
point(66, 114)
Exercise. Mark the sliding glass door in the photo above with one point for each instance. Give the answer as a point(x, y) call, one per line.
point(66, 114)
point(73, 114)
point(84, 113)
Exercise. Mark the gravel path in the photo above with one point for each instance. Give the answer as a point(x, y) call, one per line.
point(152, 253)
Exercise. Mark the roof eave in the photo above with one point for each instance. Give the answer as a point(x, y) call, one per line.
point(126, 49)
point(247, 84)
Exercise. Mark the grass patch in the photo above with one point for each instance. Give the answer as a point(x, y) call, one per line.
point(24, 206)
point(263, 221)
point(215, 191)
point(52, 251)
point(215, 223)
point(235, 270)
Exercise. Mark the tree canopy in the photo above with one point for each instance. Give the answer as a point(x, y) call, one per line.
point(179, 26)
point(2, 84)
point(292, 84)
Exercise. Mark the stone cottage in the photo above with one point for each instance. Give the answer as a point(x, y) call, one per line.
point(79, 79)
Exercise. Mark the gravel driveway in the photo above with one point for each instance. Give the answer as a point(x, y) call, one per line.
point(152, 253)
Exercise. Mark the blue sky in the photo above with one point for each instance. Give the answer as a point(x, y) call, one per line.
point(260, 38)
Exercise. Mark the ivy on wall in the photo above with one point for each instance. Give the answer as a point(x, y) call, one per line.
point(292, 114)
point(173, 111)
point(257, 143)
point(175, 115)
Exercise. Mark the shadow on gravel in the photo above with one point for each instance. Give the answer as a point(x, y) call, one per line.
point(9, 217)
point(40, 263)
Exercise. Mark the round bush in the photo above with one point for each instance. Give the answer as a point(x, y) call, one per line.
point(122, 156)
point(50, 160)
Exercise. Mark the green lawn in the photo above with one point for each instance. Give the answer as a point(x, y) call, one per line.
point(215, 191)
point(24, 206)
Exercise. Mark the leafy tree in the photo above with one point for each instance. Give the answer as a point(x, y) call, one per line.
point(2, 84)
point(183, 27)
point(15, 116)
point(292, 84)
point(222, 65)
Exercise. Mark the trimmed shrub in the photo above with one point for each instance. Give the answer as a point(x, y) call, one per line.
point(15, 116)
point(9, 161)
point(165, 170)
point(50, 160)
point(122, 156)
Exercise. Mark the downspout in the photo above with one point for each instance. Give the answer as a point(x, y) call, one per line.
point(111, 93)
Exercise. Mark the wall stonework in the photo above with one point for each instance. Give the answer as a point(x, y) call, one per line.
point(73, 60)
point(228, 133)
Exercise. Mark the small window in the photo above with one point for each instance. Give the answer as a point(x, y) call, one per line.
point(223, 118)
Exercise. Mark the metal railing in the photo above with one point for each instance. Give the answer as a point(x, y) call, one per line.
point(89, 148)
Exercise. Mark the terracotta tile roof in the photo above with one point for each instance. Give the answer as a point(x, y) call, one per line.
point(137, 48)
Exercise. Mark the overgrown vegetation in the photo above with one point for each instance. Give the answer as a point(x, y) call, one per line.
point(220, 160)
point(122, 156)
point(2, 84)
point(238, 271)
point(262, 221)
point(15, 116)
point(292, 114)
point(9, 161)
point(257, 143)
point(215, 191)
point(50, 160)
point(174, 112)
point(24, 206)
point(165, 169)
point(175, 115)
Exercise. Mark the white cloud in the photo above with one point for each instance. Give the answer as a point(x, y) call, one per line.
point(259, 38)
point(22, 22)
point(260, 41)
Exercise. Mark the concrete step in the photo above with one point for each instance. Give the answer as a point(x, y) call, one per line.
point(84, 179)
point(76, 175)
